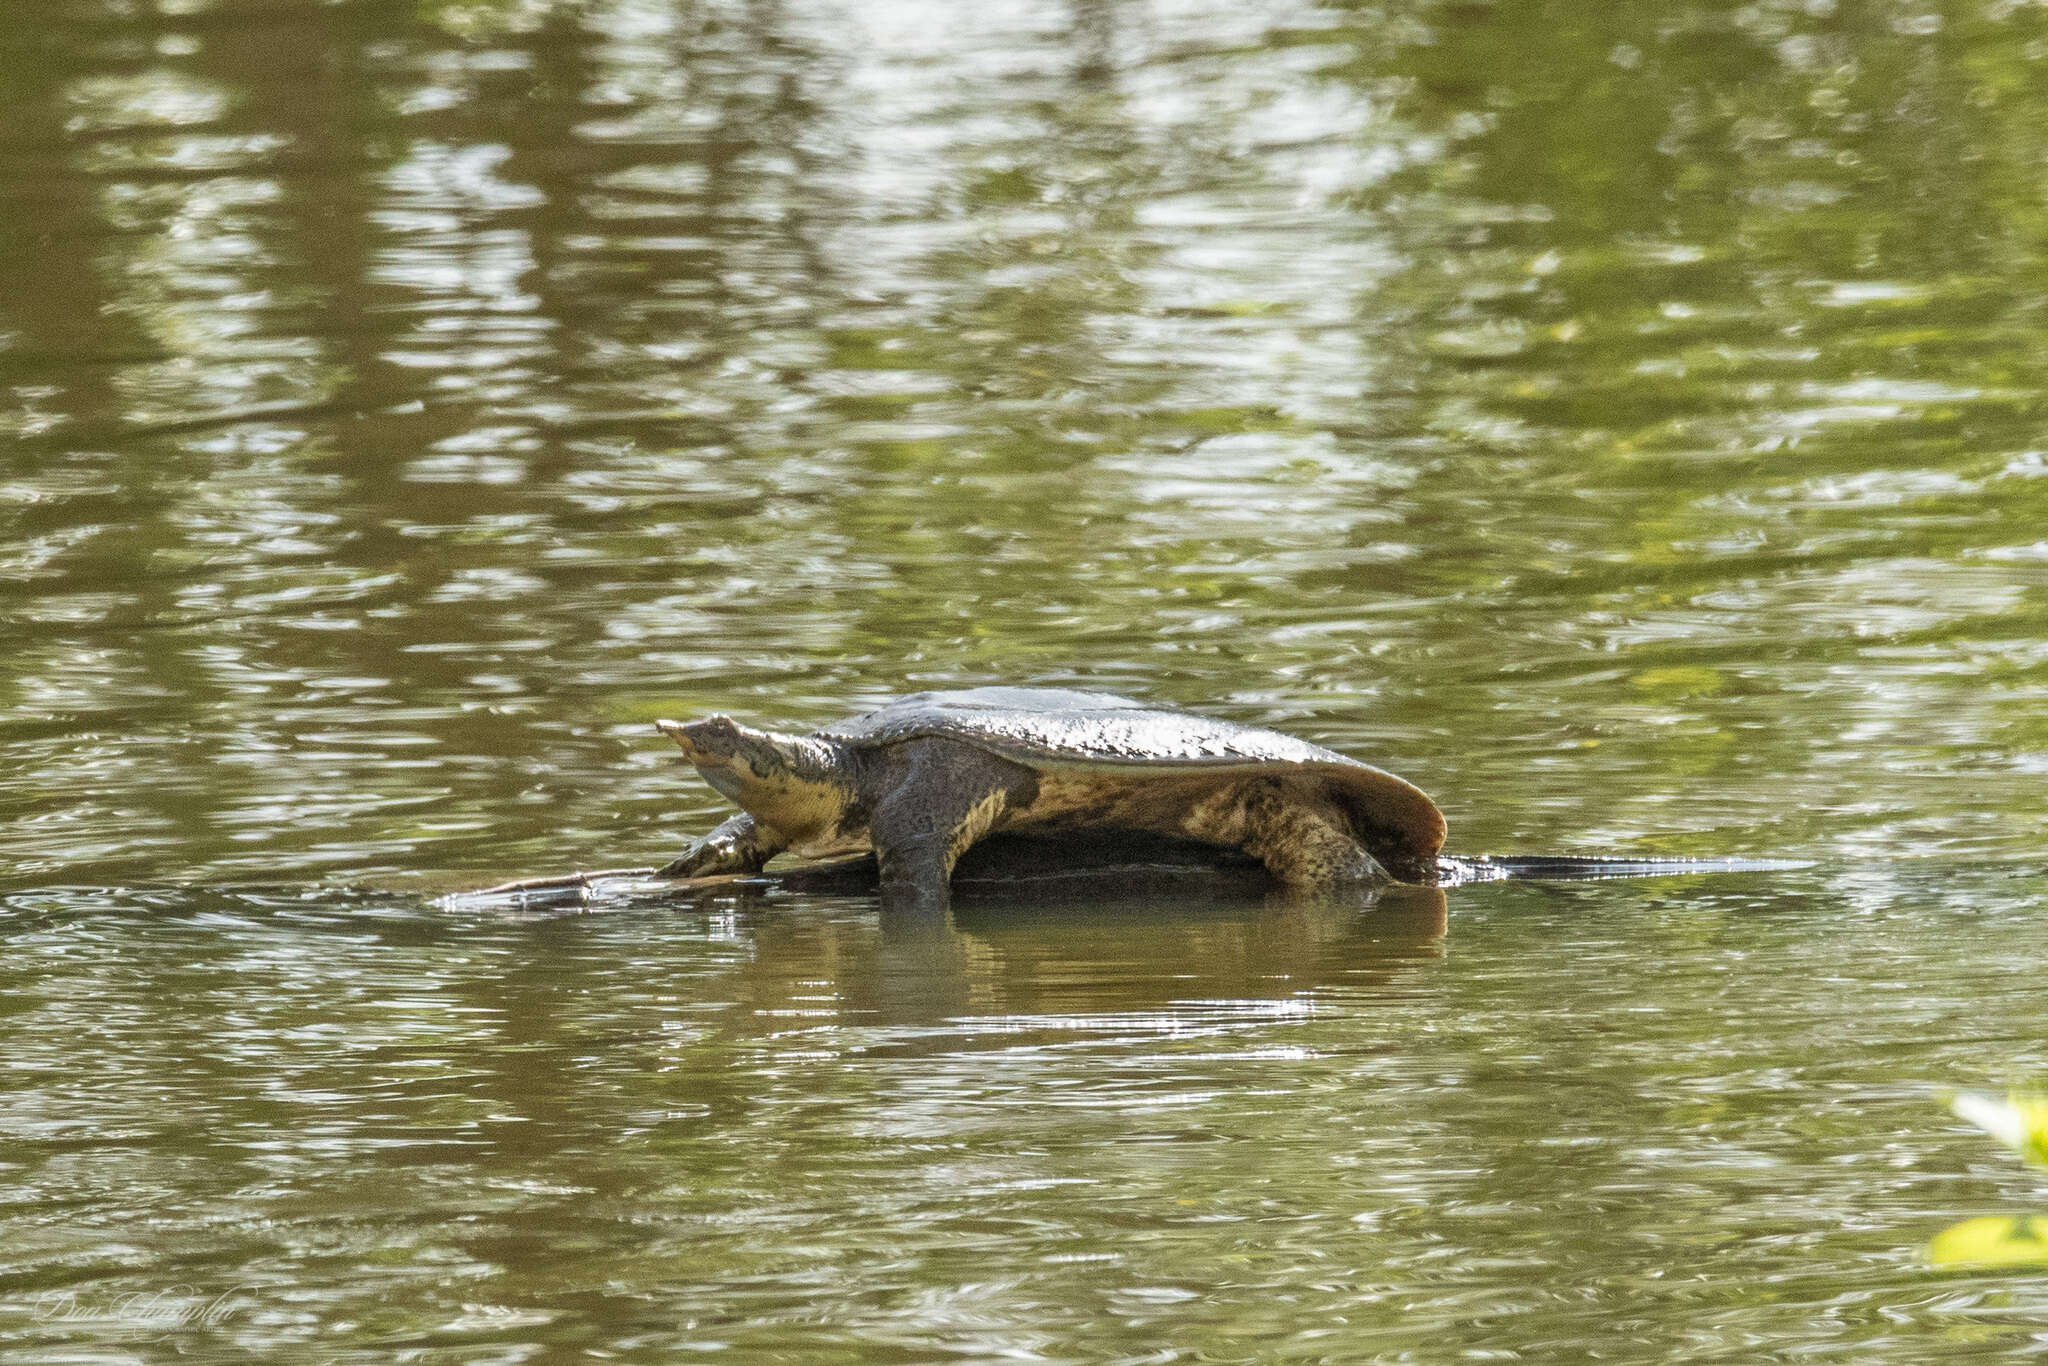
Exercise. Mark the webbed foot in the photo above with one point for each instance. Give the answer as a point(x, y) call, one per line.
point(737, 846)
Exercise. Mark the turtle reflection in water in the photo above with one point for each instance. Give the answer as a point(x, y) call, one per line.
point(922, 779)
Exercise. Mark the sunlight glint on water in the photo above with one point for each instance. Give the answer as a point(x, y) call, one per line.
point(1625, 427)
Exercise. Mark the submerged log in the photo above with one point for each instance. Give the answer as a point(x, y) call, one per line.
point(1080, 864)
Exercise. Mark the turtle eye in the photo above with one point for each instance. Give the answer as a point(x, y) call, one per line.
point(714, 734)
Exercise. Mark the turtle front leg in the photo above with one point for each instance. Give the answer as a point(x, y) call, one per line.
point(916, 878)
point(946, 797)
point(736, 846)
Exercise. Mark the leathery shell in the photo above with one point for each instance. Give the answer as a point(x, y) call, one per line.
point(1109, 748)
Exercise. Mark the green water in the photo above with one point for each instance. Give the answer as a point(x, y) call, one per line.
point(1624, 421)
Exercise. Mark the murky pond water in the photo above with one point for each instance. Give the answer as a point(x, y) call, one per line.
point(1629, 425)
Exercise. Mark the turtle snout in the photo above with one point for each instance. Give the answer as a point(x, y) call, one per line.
point(714, 740)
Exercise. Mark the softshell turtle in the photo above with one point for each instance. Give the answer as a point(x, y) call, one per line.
point(921, 779)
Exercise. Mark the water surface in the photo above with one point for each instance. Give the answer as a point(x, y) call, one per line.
point(1625, 424)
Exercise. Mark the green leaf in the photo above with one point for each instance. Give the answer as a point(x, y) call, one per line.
point(1994, 1240)
point(2020, 1121)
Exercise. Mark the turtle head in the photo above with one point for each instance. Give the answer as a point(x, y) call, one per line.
point(790, 782)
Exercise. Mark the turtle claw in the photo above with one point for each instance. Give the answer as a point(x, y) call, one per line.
point(696, 862)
